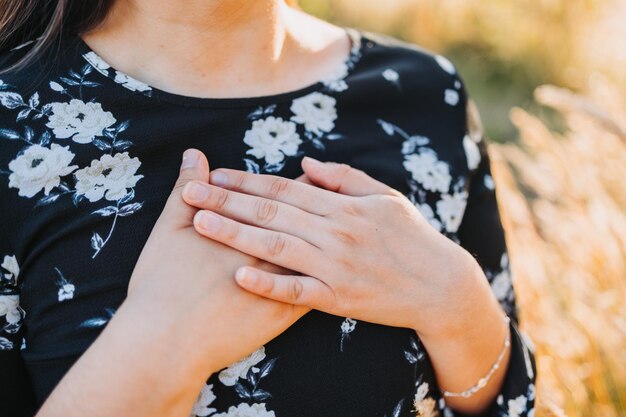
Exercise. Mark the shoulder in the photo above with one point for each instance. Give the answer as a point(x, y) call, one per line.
point(386, 50)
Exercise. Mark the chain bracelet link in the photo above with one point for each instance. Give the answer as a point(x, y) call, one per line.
point(482, 382)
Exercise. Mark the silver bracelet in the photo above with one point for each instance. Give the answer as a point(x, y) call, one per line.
point(483, 381)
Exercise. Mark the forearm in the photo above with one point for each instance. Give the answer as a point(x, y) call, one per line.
point(465, 353)
point(138, 366)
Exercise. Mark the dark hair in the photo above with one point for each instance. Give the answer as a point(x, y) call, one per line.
point(45, 22)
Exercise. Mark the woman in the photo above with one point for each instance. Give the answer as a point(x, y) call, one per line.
point(261, 282)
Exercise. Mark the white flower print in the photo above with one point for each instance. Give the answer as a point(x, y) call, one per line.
point(39, 167)
point(272, 138)
point(205, 398)
point(517, 406)
point(247, 410)
point(429, 215)
point(391, 75)
point(239, 369)
point(488, 181)
point(10, 265)
point(131, 83)
point(347, 327)
point(422, 405)
point(422, 391)
point(451, 97)
point(428, 170)
point(451, 208)
point(97, 62)
point(502, 283)
point(335, 80)
point(446, 64)
point(79, 120)
point(110, 177)
point(10, 307)
point(66, 288)
point(316, 111)
point(471, 152)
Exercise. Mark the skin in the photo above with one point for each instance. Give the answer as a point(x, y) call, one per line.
point(242, 48)
point(403, 274)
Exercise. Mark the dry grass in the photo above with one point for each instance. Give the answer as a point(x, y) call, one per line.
point(563, 203)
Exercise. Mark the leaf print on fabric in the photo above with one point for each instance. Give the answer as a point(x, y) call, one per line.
point(316, 111)
point(392, 76)
point(247, 410)
point(98, 63)
point(99, 321)
point(66, 288)
point(40, 168)
point(397, 409)
point(272, 139)
point(80, 121)
point(250, 390)
point(446, 64)
point(110, 177)
point(205, 399)
point(347, 327)
point(131, 83)
point(239, 369)
point(416, 354)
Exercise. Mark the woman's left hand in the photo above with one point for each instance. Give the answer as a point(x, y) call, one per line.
point(363, 249)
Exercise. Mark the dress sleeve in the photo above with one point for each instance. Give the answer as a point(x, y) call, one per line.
point(482, 234)
point(16, 393)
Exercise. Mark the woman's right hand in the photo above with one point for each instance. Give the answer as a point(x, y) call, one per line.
point(187, 282)
point(183, 319)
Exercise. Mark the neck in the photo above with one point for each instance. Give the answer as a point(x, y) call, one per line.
point(218, 47)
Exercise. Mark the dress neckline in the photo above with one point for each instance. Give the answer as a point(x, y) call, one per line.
point(329, 83)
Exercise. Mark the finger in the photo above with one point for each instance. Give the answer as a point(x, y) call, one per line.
point(343, 179)
point(303, 178)
point(258, 211)
point(194, 166)
point(295, 193)
point(278, 248)
point(290, 289)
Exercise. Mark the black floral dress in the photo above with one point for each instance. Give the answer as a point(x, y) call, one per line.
point(88, 156)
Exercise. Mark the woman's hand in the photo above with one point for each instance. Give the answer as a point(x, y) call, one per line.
point(364, 251)
point(183, 319)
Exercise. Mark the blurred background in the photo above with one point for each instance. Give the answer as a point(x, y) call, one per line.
point(549, 78)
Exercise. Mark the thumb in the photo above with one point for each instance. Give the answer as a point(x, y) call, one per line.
point(194, 167)
point(342, 178)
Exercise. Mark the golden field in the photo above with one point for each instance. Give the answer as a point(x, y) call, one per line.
point(549, 77)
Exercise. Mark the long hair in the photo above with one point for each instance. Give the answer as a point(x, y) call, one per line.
point(46, 21)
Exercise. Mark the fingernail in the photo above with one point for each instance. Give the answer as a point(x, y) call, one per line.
point(190, 158)
point(208, 221)
point(245, 276)
point(218, 178)
point(195, 191)
point(313, 162)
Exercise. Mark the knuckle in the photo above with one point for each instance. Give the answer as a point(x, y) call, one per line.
point(295, 290)
point(278, 187)
point(351, 209)
point(265, 210)
point(231, 231)
point(346, 236)
point(220, 198)
point(276, 244)
point(179, 185)
point(238, 180)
